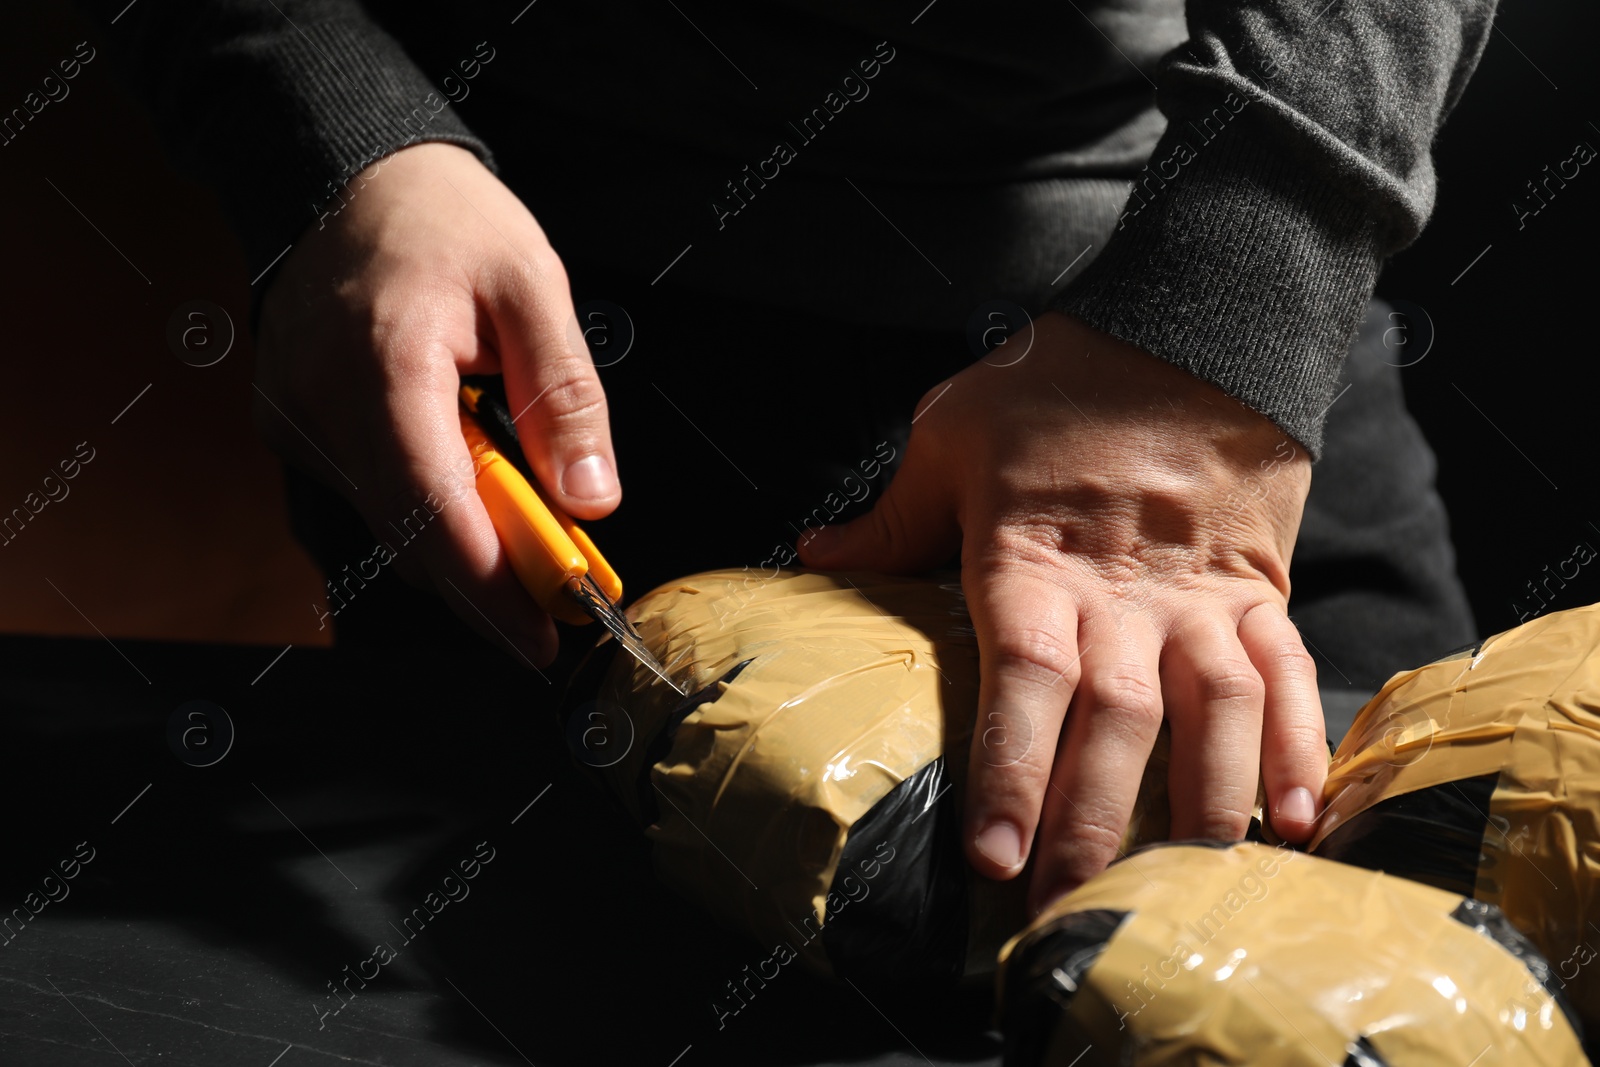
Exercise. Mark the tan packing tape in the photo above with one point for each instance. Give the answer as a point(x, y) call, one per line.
point(855, 682)
point(1249, 954)
point(1525, 705)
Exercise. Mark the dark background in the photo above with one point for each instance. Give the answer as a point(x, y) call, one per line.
point(1516, 333)
point(204, 931)
point(176, 541)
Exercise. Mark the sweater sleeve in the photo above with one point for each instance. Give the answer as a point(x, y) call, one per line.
point(1296, 158)
point(276, 104)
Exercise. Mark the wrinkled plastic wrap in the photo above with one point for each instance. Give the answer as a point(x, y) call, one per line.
point(1480, 774)
point(809, 789)
point(1197, 955)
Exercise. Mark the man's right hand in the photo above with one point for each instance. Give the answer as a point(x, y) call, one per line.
point(434, 269)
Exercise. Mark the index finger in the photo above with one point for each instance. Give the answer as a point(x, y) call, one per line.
point(1028, 657)
point(432, 508)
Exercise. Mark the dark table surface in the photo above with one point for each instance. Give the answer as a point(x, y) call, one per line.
point(223, 903)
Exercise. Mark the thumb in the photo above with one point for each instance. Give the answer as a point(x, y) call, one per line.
point(912, 528)
point(554, 393)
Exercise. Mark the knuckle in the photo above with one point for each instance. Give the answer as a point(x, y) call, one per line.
point(1124, 694)
point(548, 270)
point(1101, 833)
point(1087, 847)
point(1302, 737)
point(575, 397)
point(1229, 681)
point(889, 524)
point(535, 275)
point(1291, 658)
point(1037, 653)
point(1221, 822)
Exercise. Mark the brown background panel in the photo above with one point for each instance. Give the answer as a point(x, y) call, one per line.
point(176, 528)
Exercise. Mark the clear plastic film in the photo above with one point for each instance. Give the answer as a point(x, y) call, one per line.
point(1480, 773)
point(814, 775)
point(1246, 954)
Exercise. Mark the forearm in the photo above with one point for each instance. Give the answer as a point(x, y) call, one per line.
point(1296, 159)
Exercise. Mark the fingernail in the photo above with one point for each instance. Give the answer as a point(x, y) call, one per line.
point(1001, 843)
point(1297, 805)
point(590, 478)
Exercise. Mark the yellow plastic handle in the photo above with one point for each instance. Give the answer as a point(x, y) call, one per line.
point(547, 549)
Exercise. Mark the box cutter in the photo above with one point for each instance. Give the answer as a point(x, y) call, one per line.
point(551, 555)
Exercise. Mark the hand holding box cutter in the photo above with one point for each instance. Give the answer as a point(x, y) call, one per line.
point(551, 555)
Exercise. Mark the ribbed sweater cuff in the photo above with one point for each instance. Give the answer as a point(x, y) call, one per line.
point(346, 96)
point(1234, 262)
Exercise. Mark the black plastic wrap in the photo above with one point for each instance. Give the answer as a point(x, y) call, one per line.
point(1480, 773)
point(1042, 980)
point(658, 746)
point(1362, 1054)
point(1432, 835)
point(912, 927)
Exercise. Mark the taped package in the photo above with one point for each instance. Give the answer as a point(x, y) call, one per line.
point(808, 790)
point(1198, 955)
point(1480, 774)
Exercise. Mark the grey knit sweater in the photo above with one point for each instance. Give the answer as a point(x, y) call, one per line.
point(1218, 183)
